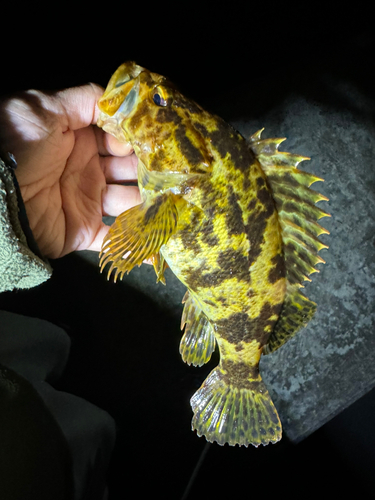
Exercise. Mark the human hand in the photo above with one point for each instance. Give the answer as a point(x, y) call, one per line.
point(67, 167)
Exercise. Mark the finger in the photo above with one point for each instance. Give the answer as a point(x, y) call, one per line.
point(116, 199)
point(81, 110)
point(109, 145)
point(96, 244)
point(79, 105)
point(116, 147)
point(117, 169)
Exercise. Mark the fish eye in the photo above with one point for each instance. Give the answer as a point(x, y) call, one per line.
point(159, 100)
point(161, 96)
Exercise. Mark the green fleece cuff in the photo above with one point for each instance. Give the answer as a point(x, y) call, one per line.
point(19, 266)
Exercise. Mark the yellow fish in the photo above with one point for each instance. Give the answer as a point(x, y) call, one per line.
point(236, 222)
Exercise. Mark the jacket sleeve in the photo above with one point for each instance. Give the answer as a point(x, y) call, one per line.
point(21, 264)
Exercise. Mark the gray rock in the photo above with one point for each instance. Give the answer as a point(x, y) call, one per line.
point(329, 364)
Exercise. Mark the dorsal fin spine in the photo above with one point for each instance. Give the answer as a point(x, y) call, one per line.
point(298, 215)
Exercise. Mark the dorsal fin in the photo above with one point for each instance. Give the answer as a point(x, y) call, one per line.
point(296, 313)
point(298, 216)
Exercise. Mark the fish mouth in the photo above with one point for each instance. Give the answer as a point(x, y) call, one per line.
point(113, 124)
point(119, 99)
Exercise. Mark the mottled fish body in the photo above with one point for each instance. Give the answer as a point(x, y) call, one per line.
point(236, 222)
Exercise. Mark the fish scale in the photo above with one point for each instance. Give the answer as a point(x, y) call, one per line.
point(236, 222)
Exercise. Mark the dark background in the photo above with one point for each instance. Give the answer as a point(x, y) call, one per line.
point(236, 62)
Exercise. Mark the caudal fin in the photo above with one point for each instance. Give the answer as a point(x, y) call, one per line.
point(228, 414)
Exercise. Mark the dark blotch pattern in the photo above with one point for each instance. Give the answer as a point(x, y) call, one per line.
point(234, 220)
point(240, 375)
point(252, 204)
point(192, 107)
point(246, 183)
point(202, 130)
point(189, 234)
point(257, 223)
point(168, 115)
point(139, 115)
point(157, 159)
point(226, 140)
point(235, 328)
point(154, 209)
point(235, 264)
point(194, 278)
point(232, 265)
point(239, 326)
point(278, 271)
point(198, 279)
point(208, 235)
point(264, 196)
point(187, 148)
point(264, 320)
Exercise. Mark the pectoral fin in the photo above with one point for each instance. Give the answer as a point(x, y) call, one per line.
point(138, 234)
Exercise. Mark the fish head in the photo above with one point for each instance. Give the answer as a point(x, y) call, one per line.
point(145, 110)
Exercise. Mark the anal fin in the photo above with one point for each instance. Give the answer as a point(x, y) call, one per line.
point(198, 341)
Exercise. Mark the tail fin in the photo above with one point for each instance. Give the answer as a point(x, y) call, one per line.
point(234, 415)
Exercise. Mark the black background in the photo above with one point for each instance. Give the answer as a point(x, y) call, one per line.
point(237, 62)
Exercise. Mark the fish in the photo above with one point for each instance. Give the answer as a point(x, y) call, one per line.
point(236, 222)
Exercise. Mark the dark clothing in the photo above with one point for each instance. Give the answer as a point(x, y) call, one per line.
point(53, 445)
